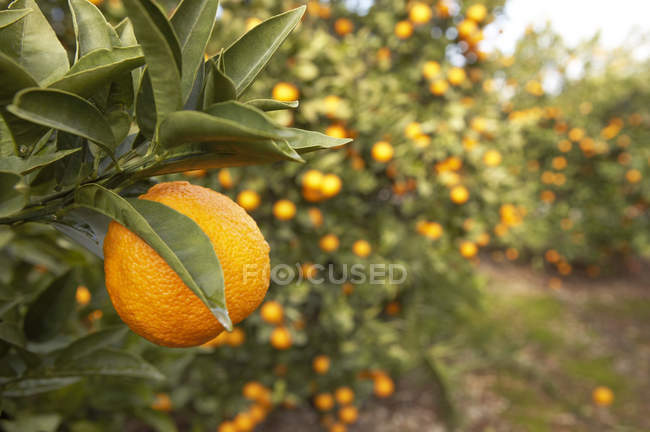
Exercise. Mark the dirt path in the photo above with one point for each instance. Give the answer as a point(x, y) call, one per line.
point(529, 362)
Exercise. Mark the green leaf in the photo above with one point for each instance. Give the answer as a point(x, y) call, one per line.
point(99, 68)
point(108, 362)
point(14, 77)
point(162, 52)
point(176, 238)
point(271, 104)
point(247, 56)
point(193, 21)
point(91, 343)
point(160, 421)
point(32, 386)
point(218, 87)
point(86, 227)
point(304, 141)
point(90, 27)
point(23, 166)
point(11, 334)
point(33, 44)
point(145, 107)
point(8, 17)
point(30, 422)
point(7, 146)
point(64, 111)
point(49, 312)
point(12, 197)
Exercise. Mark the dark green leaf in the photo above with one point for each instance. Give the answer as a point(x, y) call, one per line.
point(271, 104)
point(145, 107)
point(11, 334)
point(99, 68)
point(304, 141)
point(162, 52)
point(176, 237)
point(193, 21)
point(218, 87)
point(12, 197)
point(160, 421)
point(8, 17)
point(33, 44)
point(30, 422)
point(14, 79)
point(25, 135)
point(247, 56)
point(86, 227)
point(23, 166)
point(90, 27)
point(48, 313)
point(108, 362)
point(91, 343)
point(32, 386)
point(64, 111)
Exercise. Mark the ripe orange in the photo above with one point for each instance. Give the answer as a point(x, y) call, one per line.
point(272, 312)
point(413, 130)
point(82, 295)
point(152, 299)
point(285, 92)
point(459, 194)
point(227, 426)
point(383, 386)
point(403, 29)
point(312, 179)
point(343, 26)
point(324, 401)
point(466, 28)
point(477, 12)
point(468, 249)
point(420, 13)
point(492, 158)
point(361, 248)
point(348, 414)
point(344, 395)
point(633, 176)
point(331, 104)
point(329, 243)
point(284, 210)
point(430, 69)
point(244, 422)
point(331, 185)
point(337, 427)
point(315, 216)
point(225, 179)
point(382, 151)
point(281, 338)
point(248, 199)
point(321, 364)
point(253, 390)
point(336, 131)
point(603, 396)
point(439, 87)
point(162, 402)
point(456, 76)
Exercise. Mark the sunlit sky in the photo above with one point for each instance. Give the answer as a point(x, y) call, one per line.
point(575, 20)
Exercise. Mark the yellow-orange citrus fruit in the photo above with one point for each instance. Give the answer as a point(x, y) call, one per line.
point(382, 151)
point(456, 76)
point(576, 134)
point(466, 28)
point(430, 69)
point(468, 249)
point(312, 179)
point(383, 386)
point(153, 300)
point(248, 199)
point(459, 194)
point(285, 92)
point(343, 26)
point(347, 288)
point(348, 414)
point(244, 422)
point(492, 158)
point(315, 216)
point(321, 364)
point(413, 130)
point(344, 395)
point(253, 390)
point(476, 12)
point(227, 426)
point(272, 312)
point(337, 427)
point(439, 87)
point(329, 243)
point(281, 338)
point(403, 29)
point(336, 131)
point(82, 295)
point(361, 248)
point(284, 210)
point(257, 412)
point(331, 104)
point(225, 179)
point(603, 396)
point(420, 13)
point(324, 401)
point(162, 402)
point(633, 176)
point(331, 185)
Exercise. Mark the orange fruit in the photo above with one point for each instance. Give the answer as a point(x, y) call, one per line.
point(337, 427)
point(343, 26)
point(284, 210)
point(382, 151)
point(476, 12)
point(456, 76)
point(468, 249)
point(466, 28)
point(315, 216)
point(272, 312)
point(344, 395)
point(248, 199)
point(403, 29)
point(281, 338)
point(82, 295)
point(439, 87)
point(324, 401)
point(227, 426)
point(329, 243)
point(254, 390)
point(285, 92)
point(244, 422)
point(312, 179)
point(603, 396)
point(633, 176)
point(459, 194)
point(492, 158)
point(420, 13)
point(348, 414)
point(331, 185)
point(162, 402)
point(153, 300)
point(361, 248)
point(430, 69)
point(383, 386)
point(413, 130)
point(225, 179)
point(321, 364)
point(331, 104)
point(336, 131)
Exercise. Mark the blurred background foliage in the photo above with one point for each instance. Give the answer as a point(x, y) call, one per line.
point(458, 156)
